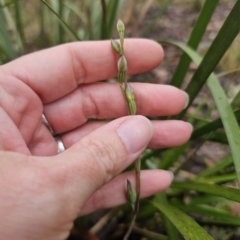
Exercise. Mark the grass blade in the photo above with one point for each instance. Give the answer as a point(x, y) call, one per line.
point(171, 156)
point(209, 127)
point(228, 72)
point(205, 199)
point(226, 192)
point(221, 43)
point(19, 22)
point(62, 21)
point(171, 230)
point(112, 11)
point(195, 38)
point(5, 40)
point(224, 163)
point(229, 121)
point(104, 20)
point(220, 179)
point(185, 224)
point(224, 108)
point(210, 212)
point(60, 27)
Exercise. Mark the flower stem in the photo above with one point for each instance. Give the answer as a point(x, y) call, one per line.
point(128, 92)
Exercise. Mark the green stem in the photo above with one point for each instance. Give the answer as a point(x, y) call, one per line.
point(62, 21)
point(128, 93)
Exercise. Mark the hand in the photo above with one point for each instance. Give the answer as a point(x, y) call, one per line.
point(42, 192)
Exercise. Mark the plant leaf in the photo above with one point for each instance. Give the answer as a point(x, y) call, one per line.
point(219, 46)
point(224, 163)
point(209, 211)
point(224, 108)
point(195, 38)
point(185, 224)
point(212, 126)
point(226, 192)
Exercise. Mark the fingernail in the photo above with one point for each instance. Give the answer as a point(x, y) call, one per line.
point(187, 100)
point(172, 175)
point(135, 133)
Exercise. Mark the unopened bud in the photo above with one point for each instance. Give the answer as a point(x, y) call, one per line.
point(120, 26)
point(131, 99)
point(122, 64)
point(116, 46)
point(131, 194)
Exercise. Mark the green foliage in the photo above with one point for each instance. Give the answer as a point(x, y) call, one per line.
point(186, 225)
point(202, 194)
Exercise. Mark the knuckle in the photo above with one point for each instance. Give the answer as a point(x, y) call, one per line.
point(90, 108)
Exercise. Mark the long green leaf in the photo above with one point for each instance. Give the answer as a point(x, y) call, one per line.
point(104, 20)
point(209, 211)
point(205, 199)
point(219, 46)
point(229, 121)
point(224, 178)
point(224, 163)
point(209, 127)
point(224, 108)
point(112, 12)
point(19, 21)
point(185, 224)
point(226, 192)
point(170, 228)
point(60, 27)
point(195, 38)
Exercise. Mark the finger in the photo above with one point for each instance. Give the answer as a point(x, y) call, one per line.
point(42, 142)
point(10, 137)
point(169, 133)
point(105, 100)
point(96, 159)
point(114, 193)
point(56, 72)
point(21, 104)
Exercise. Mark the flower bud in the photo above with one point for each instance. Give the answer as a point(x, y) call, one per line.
point(129, 93)
point(116, 46)
point(122, 64)
point(131, 194)
point(120, 26)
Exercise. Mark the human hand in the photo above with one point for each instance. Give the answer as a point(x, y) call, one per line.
point(41, 192)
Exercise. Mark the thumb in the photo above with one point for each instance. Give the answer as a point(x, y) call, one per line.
point(100, 156)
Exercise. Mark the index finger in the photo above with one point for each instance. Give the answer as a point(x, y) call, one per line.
point(57, 71)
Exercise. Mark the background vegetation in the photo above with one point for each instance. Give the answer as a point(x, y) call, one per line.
point(201, 42)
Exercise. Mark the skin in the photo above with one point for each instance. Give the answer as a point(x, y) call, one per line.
point(42, 192)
